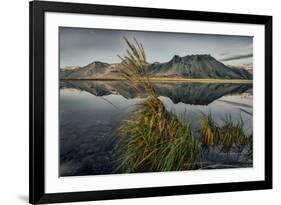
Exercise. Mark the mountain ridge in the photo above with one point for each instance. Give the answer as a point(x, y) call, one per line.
point(190, 66)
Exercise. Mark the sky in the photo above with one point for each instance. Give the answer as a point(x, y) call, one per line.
point(81, 46)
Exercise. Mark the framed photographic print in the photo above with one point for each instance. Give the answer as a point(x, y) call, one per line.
point(140, 102)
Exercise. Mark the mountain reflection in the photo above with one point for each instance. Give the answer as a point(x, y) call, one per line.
point(188, 93)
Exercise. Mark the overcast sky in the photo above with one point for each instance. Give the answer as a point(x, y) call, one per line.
point(81, 46)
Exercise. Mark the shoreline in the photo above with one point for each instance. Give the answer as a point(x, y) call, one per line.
point(172, 80)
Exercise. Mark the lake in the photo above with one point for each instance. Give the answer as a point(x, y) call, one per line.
point(91, 112)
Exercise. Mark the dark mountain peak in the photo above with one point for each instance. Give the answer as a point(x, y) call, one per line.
point(98, 63)
point(207, 57)
point(156, 62)
point(176, 58)
point(199, 57)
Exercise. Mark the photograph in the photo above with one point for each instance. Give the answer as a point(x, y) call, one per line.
point(133, 101)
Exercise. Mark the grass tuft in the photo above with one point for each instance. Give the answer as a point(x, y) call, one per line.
point(153, 138)
point(208, 131)
point(229, 137)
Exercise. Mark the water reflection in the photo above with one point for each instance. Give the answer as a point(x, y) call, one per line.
point(189, 93)
point(91, 111)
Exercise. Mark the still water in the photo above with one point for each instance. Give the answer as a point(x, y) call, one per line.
point(91, 112)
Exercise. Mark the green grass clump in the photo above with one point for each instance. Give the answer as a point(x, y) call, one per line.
point(156, 140)
point(229, 137)
point(232, 136)
point(208, 131)
point(153, 138)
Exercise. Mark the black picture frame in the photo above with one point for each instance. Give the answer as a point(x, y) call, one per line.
point(37, 9)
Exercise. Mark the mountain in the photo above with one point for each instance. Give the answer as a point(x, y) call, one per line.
point(94, 69)
point(192, 66)
point(246, 66)
point(197, 66)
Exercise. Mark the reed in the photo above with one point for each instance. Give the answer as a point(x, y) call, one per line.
point(209, 132)
point(153, 139)
point(232, 136)
point(229, 137)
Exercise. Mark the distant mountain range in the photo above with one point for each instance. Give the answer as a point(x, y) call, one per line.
point(246, 66)
point(190, 66)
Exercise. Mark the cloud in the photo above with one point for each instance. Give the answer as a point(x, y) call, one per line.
point(224, 54)
point(237, 57)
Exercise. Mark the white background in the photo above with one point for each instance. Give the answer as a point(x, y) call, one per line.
point(14, 100)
